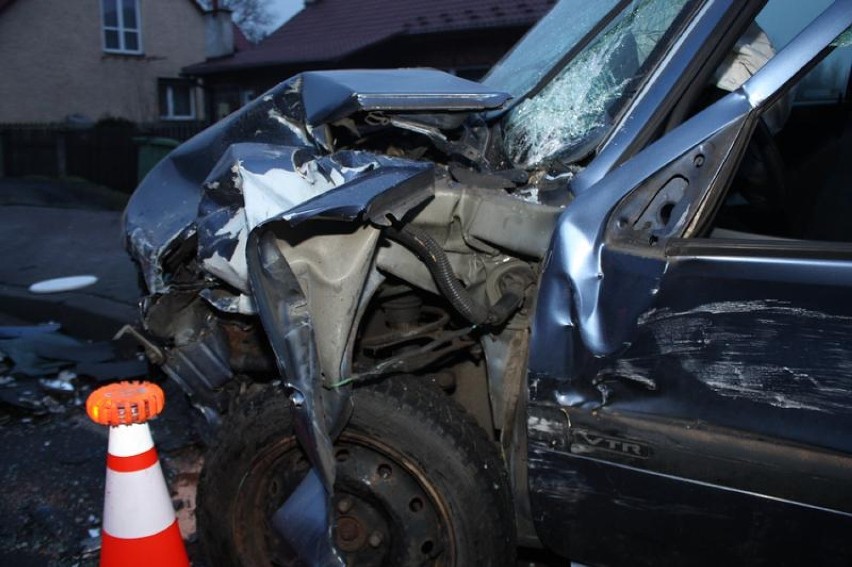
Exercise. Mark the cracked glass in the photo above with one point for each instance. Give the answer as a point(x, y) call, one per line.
point(569, 116)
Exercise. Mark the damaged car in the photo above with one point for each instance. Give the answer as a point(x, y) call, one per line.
point(597, 303)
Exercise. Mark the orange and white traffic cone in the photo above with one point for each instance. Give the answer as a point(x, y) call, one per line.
point(139, 524)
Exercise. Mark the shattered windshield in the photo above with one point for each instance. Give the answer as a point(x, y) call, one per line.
point(568, 117)
point(548, 42)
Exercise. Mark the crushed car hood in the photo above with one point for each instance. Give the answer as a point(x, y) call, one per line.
point(289, 120)
point(332, 95)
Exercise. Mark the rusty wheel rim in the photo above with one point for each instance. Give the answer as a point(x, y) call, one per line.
point(385, 510)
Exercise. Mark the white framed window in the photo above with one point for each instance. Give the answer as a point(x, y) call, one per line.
point(177, 99)
point(122, 30)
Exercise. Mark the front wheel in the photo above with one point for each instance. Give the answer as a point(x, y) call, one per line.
point(418, 483)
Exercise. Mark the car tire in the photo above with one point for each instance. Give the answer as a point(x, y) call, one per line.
point(418, 483)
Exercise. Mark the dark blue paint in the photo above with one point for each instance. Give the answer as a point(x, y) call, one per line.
point(332, 95)
point(617, 512)
point(597, 349)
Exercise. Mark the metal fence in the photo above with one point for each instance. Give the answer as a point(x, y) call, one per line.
point(106, 153)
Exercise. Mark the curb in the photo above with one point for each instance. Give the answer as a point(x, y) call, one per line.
point(82, 315)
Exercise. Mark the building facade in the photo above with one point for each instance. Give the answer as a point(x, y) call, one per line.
point(88, 60)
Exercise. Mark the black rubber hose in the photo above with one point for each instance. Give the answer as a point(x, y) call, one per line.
point(431, 253)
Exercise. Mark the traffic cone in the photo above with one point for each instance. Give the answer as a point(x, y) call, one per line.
point(139, 524)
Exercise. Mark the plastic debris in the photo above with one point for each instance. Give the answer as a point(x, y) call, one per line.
point(44, 372)
point(15, 332)
point(60, 285)
point(61, 384)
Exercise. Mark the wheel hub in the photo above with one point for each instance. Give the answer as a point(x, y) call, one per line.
point(382, 514)
point(350, 534)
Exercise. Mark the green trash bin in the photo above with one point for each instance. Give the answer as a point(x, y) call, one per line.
point(151, 151)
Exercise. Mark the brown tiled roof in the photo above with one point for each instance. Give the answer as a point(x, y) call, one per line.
point(327, 30)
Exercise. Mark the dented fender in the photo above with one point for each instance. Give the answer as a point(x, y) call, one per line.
point(320, 408)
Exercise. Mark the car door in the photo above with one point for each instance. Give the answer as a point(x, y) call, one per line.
point(690, 385)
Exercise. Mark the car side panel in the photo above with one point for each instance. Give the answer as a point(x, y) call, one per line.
point(620, 514)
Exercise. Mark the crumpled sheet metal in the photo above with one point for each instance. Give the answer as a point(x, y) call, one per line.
point(344, 187)
point(254, 183)
point(230, 186)
point(283, 310)
point(163, 209)
point(304, 518)
point(350, 185)
point(250, 190)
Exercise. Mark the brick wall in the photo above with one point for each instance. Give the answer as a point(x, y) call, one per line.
point(53, 63)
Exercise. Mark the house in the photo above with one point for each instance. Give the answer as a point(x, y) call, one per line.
point(459, 36)
point(86, 60)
